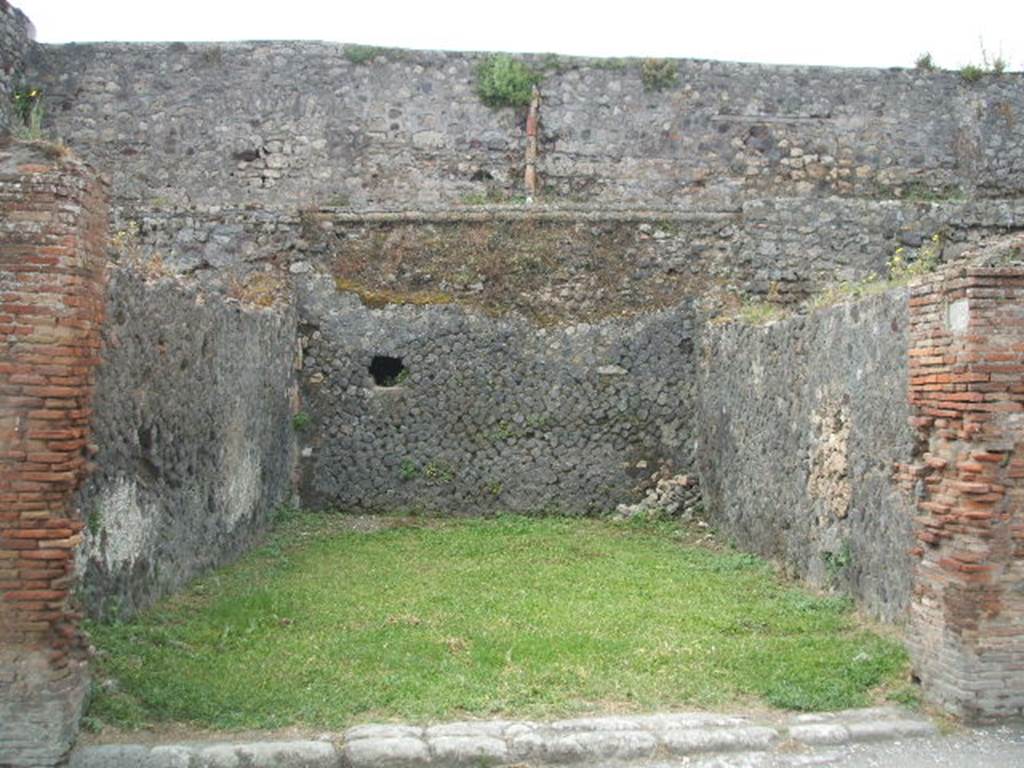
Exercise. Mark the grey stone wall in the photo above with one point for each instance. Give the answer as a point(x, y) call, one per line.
point(490, 414)
point(193, 422)
point(284, 124)
point(800, 424)
point(595, 261)
point(15, 39)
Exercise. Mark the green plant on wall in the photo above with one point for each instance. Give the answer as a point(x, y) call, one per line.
point(362, 54)
point(929, 255)
point(94, 522)
point(658, 74)
point(28, 106)
point(924, 62)
point(439, 472)
point(502, 81)
point(837, 562)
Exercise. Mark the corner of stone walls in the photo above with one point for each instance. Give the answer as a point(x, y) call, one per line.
point(799, 424)
point(193, 431)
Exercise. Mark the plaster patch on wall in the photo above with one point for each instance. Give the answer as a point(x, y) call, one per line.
point(958, 315)
point(242, 478)
point(829, 478)
point(122, 526)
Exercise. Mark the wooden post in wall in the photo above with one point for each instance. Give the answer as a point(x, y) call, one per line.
point(532, 119)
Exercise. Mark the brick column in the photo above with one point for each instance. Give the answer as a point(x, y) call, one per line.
point(967, 390)
point(53, 229)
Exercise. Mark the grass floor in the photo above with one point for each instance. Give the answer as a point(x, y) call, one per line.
point(326, 626)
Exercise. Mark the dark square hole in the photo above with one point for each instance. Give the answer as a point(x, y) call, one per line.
point(387, 371)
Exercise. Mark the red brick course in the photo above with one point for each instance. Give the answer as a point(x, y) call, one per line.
point(967, 370)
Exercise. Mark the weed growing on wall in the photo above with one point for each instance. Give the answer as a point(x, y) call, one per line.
point(363, 54)
point(924, 62)
point(837, 562)
point(902, 268)
point(990, 65)
point(658, 74)
point(502, 81)
point(28, 106)
point(972, 73)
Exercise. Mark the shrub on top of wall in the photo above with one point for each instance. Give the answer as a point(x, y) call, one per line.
point(502, 81)
point(658, 74)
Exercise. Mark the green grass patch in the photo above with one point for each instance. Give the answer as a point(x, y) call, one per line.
point(328, 625)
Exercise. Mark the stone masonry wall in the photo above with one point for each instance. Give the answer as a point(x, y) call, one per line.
point(53, 228)
point(587, 263)
point(967, 361)
point(800, 422)
point(286, 124)
point(15, 40)
point(193, 426)
point(489, 414)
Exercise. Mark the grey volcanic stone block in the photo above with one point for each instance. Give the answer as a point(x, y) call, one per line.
point(384, 752)
point(697, 740)
point(289, 754)
point(474, 751)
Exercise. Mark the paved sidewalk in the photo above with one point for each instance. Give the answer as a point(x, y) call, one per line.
point(662, 741)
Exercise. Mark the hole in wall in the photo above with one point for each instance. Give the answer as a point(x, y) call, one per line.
point(145, 435)
point(387, 371)
point(481, 175)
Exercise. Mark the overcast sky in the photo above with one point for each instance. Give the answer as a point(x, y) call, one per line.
point(850, 33)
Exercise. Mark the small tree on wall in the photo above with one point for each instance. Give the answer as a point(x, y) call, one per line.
point(502, 81)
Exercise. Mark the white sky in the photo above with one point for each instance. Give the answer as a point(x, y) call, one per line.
point(847, 33)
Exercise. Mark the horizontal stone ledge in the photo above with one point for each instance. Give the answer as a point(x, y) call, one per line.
point(267, 754)
point(581, 741)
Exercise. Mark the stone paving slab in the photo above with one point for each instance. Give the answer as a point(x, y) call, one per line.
point(686, 739)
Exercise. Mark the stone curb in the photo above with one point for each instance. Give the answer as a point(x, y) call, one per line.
point(581, 741)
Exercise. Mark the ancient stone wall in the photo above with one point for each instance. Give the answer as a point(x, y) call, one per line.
point(15, 39)
point(436, 409)
point(53, 229)
point(285, 124)
point(588, 263)
point(800, 423)
point(462, 349)
point(967, 361)
point(193, 425)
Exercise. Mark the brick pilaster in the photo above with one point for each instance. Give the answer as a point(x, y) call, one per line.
point(967, 391)
point(53, 230)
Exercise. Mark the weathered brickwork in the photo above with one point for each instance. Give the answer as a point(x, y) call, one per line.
point(967, 392)
point(53, 230)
